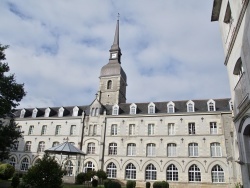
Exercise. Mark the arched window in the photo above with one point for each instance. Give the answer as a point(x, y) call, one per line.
point(217, 174)
point(109, 84)
point(44, 128)
point(12, 161)
point(193, 150)
point(69, 168)
point(91, 148)
point(171, 150)
point(190, 106)
point(211, 105)
point(130, 172)
point(131, 149)
point(27, 146)
point(172, 173)
point(133, 108)
point(111, 170)
point(55, 144)
point(171, 106)
point(115, 110)
point(24, 164)
point(89, 166)
point(37, 161)
point(151, 149)
point(215, 149)
point(113, 149)
point(41, 147)
point(150, 173)
point(194, 174)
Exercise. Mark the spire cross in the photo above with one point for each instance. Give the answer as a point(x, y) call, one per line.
point(118, 16)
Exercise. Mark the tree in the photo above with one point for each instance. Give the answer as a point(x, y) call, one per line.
point(11, 93)
point(46, 173)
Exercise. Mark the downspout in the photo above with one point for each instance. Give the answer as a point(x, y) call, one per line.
point(83, 121)
point(103, 140)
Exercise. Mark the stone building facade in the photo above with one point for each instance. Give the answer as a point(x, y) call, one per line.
point(234, 22)
point(187, 143)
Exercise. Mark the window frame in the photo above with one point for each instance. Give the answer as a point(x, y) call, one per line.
point(151, 150)
point(171, 149)
point(130, 172)
point(151, 129)
point(215, 149)
point(111, 170)
point(113, 130)
point(150, 172)
point(193, 149)
point(191, 128)
point(91, 148)
point(194, 174)
point(131, 149)
point(217, 174)
point(112, 148)
point(172, 173)
point(171, 129)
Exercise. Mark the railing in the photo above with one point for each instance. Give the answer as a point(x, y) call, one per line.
point(241, 91)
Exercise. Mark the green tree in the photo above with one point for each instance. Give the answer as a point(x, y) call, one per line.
point(11, 93)
point(46, 173)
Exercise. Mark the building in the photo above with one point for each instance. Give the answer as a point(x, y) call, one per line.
point(186, 143)
point(233, 18)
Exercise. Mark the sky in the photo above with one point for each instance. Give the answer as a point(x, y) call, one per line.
point(170, 49)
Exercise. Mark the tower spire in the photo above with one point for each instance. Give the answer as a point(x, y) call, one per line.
point(116, 38)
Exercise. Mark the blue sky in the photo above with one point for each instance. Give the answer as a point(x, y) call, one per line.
point(171, 50)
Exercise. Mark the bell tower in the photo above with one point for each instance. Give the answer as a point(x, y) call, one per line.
point(113, 79)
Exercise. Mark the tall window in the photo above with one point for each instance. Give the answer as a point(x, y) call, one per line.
point(97, 112)
point(215, 149)
point(171, 130)
point(27, 146)
point(72, 130)
point(131, 149)
point(44, 128)
point(151, 149)
point(92, 130)
point(213, 128)
point(151, 129)
point(191, 128)
point(131, 129)
point(12, 161)
point(14, 147)
point(193, 150)
point(55, 144)
point(58, 130)
point(151, 172)
point(91, 148)
point(171, 149)
point(217, 174)
point(151, 108)
point(113, 149)
point(211, 106)
point(41, 147)
point(172, 173)
point(114, 129)
point(194, 174)
point(130, 172)
point(111, 170)
point(109, 84)
point(24, 164)
point(93, 112)
point(89, 166)
point(69, 168)
point(31, 129)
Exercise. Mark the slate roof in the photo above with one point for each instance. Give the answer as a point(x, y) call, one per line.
point(142, 108)
point(66, 149)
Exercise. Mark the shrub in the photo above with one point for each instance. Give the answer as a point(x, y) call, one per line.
point(101, 174)
point(131, 184)
point(157, 184)
point(80, 178)
point(94, 183)
point(89, 175)
point(106, 183)
point(114, 184)
point(148, 184)
point(46, 173)
point(164, 184)
point(15, 181)
point(6, 171)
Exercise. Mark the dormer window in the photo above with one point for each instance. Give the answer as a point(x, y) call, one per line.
point(133, 108)
point(190, 106)
point(211, 105)
point(60, 112)
point(115, 110)
point(228, 15)
point(34, 113)
point(22, 113)
point(171, 107)
point(47, 112)
point(151, 108)
point(231, 105)
point(75, 111)
point(109, 84)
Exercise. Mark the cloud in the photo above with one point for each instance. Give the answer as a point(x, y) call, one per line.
point(171, 50)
